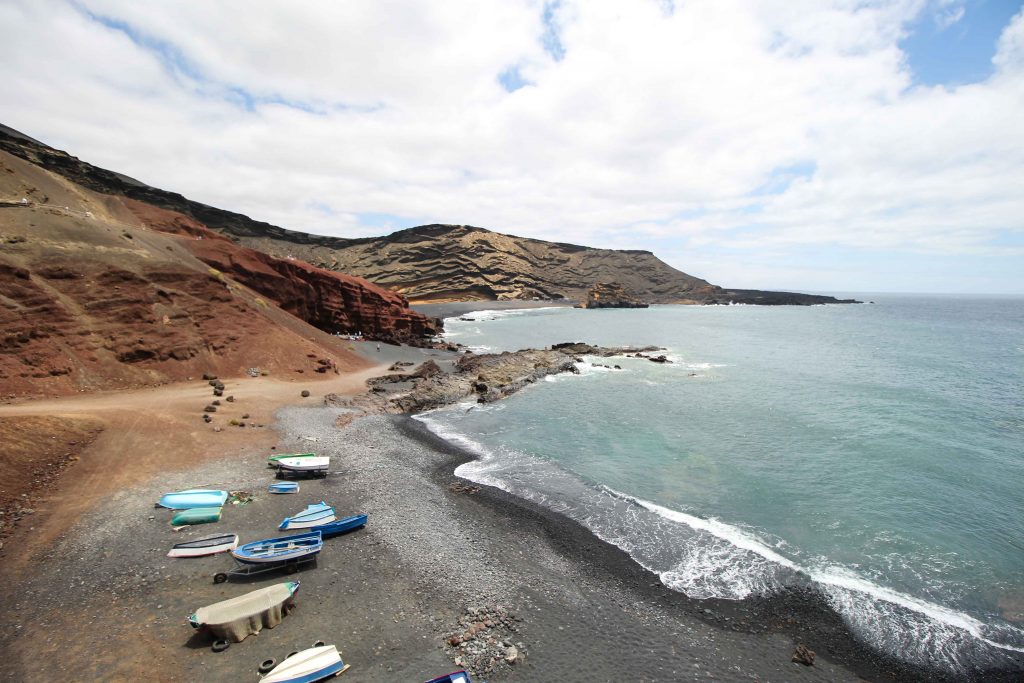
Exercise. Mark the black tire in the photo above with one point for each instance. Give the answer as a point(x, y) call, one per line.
point(291, 567)
point(220, 577)
point(266, 665)
point(319, 643)
point(291, 654)
point(220, 645)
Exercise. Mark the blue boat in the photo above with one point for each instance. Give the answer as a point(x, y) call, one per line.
point(340, 526)
point(193, 498)
point(453, 677)
point(313, 515)
point(284, 487)
point(283, 549)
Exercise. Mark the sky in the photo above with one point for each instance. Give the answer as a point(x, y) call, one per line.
point(813, 145)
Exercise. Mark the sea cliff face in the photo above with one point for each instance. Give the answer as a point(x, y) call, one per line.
point(611, 295)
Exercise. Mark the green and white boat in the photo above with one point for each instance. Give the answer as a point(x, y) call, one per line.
point(196, 516)
point(273, 460)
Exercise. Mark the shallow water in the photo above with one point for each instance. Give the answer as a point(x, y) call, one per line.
point(874, 452)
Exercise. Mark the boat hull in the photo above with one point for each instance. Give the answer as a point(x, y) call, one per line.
point(245, 615)
point(276, 458)
point(453, 677)
point(284, 487)
point(194, 498)
point(341, 526)
point(196, 516)
point(304, 464)
point(278, 550)
point(205, 546)
point(314, 664)
point(313, 515)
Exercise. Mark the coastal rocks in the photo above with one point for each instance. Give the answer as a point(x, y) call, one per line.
point(483, 641)
point(803, 655)
point(459, 487)
point(610, 295)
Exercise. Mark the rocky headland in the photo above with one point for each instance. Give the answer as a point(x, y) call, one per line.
point(610, 295)
point(429, 263)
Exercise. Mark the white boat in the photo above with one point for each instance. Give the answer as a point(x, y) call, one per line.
point(306, 464)
point(210, 545)
point(247, 614)
point(313, 515)
point(314, 664)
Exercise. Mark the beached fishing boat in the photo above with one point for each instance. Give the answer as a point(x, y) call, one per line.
point(280, 550)
point(247, 614)
point(196, 516)
point(340, 526)
point(211, 545)
point(453, 677)
point(310, 465)
point(274, 459)
point(314, 664)
point(193, 498)
point(284, 487)
point(313, 515)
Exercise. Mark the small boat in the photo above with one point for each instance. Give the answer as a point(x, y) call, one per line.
point(274, 459)
point(314, 464)
point(193, 498)
point(313, 515)
point(283, 549)
point(211, 545)
point(453, 677)
point(247, 614)
point(196, 516)
point(340, 526)
point(284, 487)
point(314, 664)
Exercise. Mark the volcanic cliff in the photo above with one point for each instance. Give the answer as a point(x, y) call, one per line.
point(427, 263)
point(101, 292)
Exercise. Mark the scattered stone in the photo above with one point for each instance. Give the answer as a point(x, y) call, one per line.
point(459, 487)
point(218, 392)
point(215, 403)
point(246, 416)
point(210, 409)
point(305, 393)
point(208, 376)
point(230, 399)
point(207, 419)
point(803, 655)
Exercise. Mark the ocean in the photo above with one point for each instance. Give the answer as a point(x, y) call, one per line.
point(871, 453)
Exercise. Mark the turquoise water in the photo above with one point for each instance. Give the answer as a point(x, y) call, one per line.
point(874, 453)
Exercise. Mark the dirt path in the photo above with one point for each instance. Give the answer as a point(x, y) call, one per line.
point(149, 431)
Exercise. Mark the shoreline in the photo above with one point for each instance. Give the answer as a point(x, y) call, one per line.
point(799, 613)
point(434, 554)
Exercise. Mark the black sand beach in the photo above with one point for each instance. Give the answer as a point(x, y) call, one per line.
point(107, 604)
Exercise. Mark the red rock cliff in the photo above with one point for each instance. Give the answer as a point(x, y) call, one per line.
point(331, 301)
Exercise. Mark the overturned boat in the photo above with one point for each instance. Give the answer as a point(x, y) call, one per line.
point(313, 515)
point(283, 487)
point(247, 614)
point(340, 526)
point(211, 545)
point(314, 664)
point(193, 498)
point(196, 516)
point(274, 459)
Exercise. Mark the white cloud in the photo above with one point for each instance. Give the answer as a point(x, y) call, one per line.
point(655, 125)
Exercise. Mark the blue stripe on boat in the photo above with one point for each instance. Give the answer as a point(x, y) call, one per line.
point(340, 526)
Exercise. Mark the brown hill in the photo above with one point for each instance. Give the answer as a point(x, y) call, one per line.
point(431, 262)
point(92, 299)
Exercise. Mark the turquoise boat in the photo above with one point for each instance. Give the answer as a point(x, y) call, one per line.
point(196, 516)
point(193, 498)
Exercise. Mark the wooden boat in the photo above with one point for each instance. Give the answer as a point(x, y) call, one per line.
point(280, 550)
point(313, 464)
point(314, 664)
point(340, 526)
point(453, 677)
point(211, 545)
point(284, 487)
point(196, 516)
point(274, 459)
point(194, 498)
point(313, 515)
point(246, 614)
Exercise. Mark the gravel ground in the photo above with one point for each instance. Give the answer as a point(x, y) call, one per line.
point(438, 576)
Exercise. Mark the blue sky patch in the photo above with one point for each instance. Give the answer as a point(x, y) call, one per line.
point(511, 80)
point(953, 45)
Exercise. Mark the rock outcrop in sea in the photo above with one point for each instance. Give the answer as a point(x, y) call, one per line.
point(610, 295)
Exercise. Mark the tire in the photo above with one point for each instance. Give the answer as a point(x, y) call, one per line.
point(220, 577)
point(220, 645)
point(291, 567)
point(266, 665)
point(291, 654)
point(319, 643)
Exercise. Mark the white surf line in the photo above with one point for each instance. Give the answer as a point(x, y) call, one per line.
point(831, 576)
